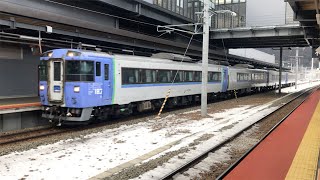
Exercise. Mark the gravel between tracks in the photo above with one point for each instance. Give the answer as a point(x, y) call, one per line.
point(170, 123)
point(134, 172)
point(214, 165)
point(254, 100)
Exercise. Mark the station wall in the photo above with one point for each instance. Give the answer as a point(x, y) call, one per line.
point(18, 71)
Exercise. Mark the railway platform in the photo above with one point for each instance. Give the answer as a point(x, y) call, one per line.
point(291, 151)
point(12, 105)
point(19, 112)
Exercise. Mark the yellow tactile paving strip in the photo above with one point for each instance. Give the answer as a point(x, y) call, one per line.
point(305, 162)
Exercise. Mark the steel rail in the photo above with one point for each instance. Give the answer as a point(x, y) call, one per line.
point(263, 138)
point(9, 134)
point(30, 135)
point(200, 157)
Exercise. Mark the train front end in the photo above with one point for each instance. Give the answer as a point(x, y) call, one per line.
point(69, 87)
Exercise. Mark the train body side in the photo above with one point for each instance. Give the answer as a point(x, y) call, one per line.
point(80, 85)
point(127, 93)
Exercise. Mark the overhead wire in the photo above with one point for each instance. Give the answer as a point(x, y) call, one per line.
point(115, 16)
point(98, 12)
point(177, 71)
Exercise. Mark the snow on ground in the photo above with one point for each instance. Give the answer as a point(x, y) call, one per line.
point(90, 155)
point(301, 85)
point(236, 122)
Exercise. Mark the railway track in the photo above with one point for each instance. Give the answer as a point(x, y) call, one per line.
point(304, 95)
point(21, 136)
point(7, 139)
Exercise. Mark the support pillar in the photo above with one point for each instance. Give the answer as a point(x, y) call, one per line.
point(280, 70)
point(315, 58)
point(297, 68)
point(205, 50)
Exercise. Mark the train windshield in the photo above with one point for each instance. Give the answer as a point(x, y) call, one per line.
point(43, 71)
point(79, 71)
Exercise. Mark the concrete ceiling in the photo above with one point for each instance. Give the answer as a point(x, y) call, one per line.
point(306, 12)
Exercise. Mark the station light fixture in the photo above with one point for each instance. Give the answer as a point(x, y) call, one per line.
point(29, 38)
point(88, 45)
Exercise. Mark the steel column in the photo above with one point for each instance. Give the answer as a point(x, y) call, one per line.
point(280, 70)
point(205, 59)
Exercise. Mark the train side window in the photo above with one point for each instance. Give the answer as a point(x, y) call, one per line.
point(215, 77)
point(43, 71)
point(150, 76)
point(178, 75)
point(98, 68)
point(130, 76)
point(147, 76)
point(106, 72)
point(188, 76)
point(164, 76)
point(197, 76)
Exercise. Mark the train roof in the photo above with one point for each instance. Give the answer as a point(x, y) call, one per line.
point(160, 57)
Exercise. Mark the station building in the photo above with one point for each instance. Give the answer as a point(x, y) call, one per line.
point(31, 26)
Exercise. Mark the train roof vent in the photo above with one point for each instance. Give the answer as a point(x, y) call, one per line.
point(273, 69)
point(173, 57)
point(244, 66)
point(216, 62)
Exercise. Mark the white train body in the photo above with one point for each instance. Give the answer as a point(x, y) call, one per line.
point(140, 92)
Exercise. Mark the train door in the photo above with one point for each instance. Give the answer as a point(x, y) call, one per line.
point(107, 82)
point(56, 80)
point(225, 79)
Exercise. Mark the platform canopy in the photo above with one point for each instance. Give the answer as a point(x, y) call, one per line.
point(308, 14)
point(260, 37)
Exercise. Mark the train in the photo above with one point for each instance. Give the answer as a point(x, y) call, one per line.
point(79, 86)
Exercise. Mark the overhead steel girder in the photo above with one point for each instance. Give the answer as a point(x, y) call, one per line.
point(149, 10)
point(62, 17)
point(146, 42)
point(141, 44)
point(305, 12)
point(47, 11)
point(268, 36)
point(257, 32)
point(74, 22)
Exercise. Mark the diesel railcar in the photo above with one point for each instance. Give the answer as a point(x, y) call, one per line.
point(78, 85)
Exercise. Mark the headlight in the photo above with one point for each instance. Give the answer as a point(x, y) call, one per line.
point(73, 53)
point(76, 89)
point(41, 87)
point(70, 54)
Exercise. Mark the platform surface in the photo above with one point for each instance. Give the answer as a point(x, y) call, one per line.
point(11, 105)
point(291, 151)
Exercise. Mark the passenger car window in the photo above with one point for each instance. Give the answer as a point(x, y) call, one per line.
point(106, 72)
point(130, 76)
point(98, 69)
